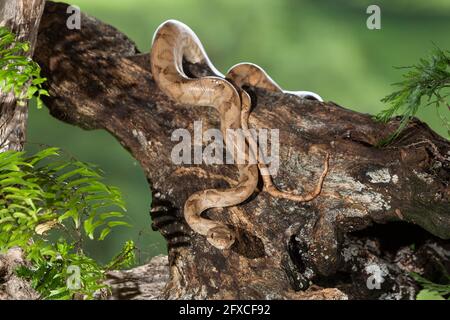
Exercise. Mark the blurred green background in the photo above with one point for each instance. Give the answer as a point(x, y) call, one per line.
point(322, 46)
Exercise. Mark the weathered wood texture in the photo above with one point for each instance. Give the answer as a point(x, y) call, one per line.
point(97, 79)
point(22, 18)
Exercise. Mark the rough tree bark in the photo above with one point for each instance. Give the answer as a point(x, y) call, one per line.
point(22, 17)
point(375, 201)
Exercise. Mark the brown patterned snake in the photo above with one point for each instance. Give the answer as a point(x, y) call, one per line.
point(173, 41)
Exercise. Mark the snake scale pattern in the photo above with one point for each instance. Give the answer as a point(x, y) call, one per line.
point(175, 42)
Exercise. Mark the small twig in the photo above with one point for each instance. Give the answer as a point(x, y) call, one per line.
point(433, 150)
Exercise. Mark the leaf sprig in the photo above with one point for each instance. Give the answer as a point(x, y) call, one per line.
point(431, 290)
point(426, 83)
point(43, 198)
point(17, 71)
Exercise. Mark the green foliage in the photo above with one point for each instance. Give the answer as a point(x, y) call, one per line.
point(49, 276)
point(426, 83)
point(431, 290)
point(425, 294)
point(18, 72)
point(49, 206)
point(125, 258)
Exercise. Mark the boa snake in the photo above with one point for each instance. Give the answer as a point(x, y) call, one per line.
point(174, 42)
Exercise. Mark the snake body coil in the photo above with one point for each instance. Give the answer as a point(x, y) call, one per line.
point(174, 42)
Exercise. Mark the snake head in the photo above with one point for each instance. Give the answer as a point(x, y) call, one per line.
point(221, 237)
